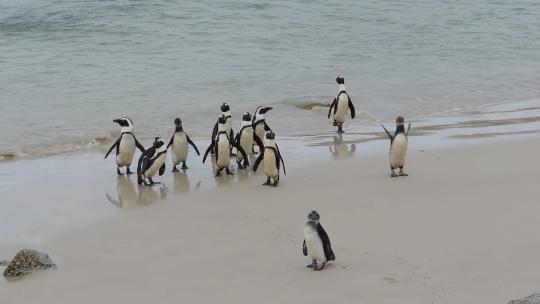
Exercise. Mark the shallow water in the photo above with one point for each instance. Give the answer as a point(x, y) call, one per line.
point(70, 67)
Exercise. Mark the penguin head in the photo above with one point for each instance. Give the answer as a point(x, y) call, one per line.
point(246, 117)
point(314, 216)
point(400, 120)
point(262, 110)
point(225, 107)
point(177, 122)
point(125, 123)
point(270, 135)
point(159, 144)
point(340, 79)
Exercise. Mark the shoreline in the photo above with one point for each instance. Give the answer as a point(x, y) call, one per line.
point(396, 240)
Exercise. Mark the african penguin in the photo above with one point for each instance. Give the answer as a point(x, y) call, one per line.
point(316, 242)
point(221, 145)
point(340, 105)
point(125, 145)
point(151, 162)
point(272, 159)
point(398, 146)
point(259, 123)
point(179, 142)
point(245, 138)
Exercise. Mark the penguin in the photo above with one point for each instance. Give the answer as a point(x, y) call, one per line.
point(221, 145)
point(125, 145)
point(152, 161)
point(225, 111)
point(398, 146)
point(259, 123)
point(179, 142)
point(271, 158)
point(340, 105)
point(245, 138)
point(316, 242)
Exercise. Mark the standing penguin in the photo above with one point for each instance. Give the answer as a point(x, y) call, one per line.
point(152, 161)
point(221, 145)
point(125, 145)
point(259, 123)
point(271, 158)
point(245, 138)
point(226, 112)
point(179, 142)
point(398, 146)
point(340, 105)
point(316, 242)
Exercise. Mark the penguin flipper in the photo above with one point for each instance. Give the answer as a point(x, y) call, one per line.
point(258, 141)
point(351, 107)
point(231, 135)
point(138, 144)
point(170, 142)
point(304, 248)
point(408, 129)
point(162, 169)
point(193, 145)
point(279, 158)
point(258, 161)
point(241, 150)
point(208, 151)
point(115, 145)
point(331, 107)
point(266, 127)
point(327, 247)
point(385, 130)
point(214, 131)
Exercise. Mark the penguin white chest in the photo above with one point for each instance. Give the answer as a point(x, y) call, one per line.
point(228, 125)
point(270, 167)
point(224, 153)
point(158, 162)
point(314, 244)
point(246, 141)
point(398, 151)
point(179, 148)
point(126, 150)
point(259, 130)
point(342, 106)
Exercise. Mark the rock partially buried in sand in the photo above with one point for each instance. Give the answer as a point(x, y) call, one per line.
point(532, 299)
point(27, 261)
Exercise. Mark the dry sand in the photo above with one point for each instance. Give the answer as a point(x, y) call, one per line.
point(462, 228)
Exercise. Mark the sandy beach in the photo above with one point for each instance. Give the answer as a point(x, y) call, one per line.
point(462, 228)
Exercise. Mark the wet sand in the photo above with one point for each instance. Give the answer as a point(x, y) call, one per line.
point(460, 229)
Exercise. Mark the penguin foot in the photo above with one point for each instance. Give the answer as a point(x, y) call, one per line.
point(228, 171)
point(184, 167)
point(312, 265)
point(218, 174)
point(276, 182)
point(174, 169)
point(246, 164)
point(118, 172)
point(401, 173)
point(267, 182)
point(128, 171)
point(320, 267)
point(393, 174)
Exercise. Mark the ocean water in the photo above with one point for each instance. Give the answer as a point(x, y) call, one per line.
point(68, 68)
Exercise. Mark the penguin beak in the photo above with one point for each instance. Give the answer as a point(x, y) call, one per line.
point(117, 121)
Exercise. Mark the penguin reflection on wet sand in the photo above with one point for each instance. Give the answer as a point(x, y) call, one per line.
point(245, 138)
point(341, 149)
point(127, 195)
point(179, 142)
point(271, 158)
point(258, 122)
point(398, 146)
point(316, 243)
point(125, 145)
point(221, 145)
point(151, 162)
point(340, 105)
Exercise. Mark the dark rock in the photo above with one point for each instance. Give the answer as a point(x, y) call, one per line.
point(27, 261)
point(532, 299)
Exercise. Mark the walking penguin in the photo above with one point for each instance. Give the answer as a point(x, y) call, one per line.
point(179, 142)
point(340, 105)
point(316, 242)
point(398, 146)
point(271, 158)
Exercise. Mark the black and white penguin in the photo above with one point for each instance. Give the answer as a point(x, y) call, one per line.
point(179, 143)
point(340, 105)
point(221, 145)
point(125, 145)
point(259, 123)
point(226, 112)
point(151, 162)
point(398, 146)
point(271, 158)
point(245, 138)
point(316, 242)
